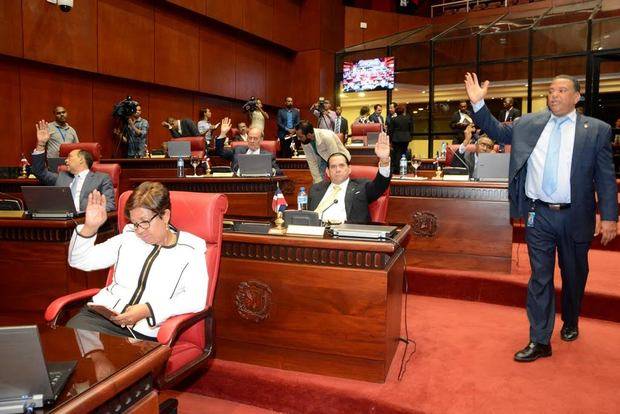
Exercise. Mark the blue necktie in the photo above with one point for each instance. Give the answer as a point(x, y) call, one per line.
point(552, 160)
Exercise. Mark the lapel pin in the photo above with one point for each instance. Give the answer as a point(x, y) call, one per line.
point(585, 125)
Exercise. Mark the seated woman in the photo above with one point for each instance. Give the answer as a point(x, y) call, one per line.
point(159, 271)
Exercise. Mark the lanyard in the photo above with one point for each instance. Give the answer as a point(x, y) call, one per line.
point(61, 134)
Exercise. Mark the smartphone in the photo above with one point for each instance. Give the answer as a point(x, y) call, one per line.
point(102, 310)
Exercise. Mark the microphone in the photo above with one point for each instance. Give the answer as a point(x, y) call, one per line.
point(328, 207)
point(456, 154)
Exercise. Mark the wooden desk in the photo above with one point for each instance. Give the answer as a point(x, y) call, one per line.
point(33, 258)
point(455, 225)
point(120, 375)
point(13, 186)
point(317, 305)
point(247, 197)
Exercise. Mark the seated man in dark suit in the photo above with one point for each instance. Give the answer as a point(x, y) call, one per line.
point(468, 159)
point(80, 179)
point(255, 137)
point(181, 127)
point(344, 199)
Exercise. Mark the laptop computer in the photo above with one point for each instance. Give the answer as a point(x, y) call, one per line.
point(254, 165)
point(363, 231)
point(25, 376)
point(54, 162)
point(372, 138)
point(493, 167)
point(178, 149)
point(49, 202)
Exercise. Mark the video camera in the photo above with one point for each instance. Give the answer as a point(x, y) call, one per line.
point(125, 108)
point(251, 105)
point(321, 105)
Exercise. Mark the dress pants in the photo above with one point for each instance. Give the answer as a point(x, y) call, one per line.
point(551, 232)
point(285, 148)
point(91, 321)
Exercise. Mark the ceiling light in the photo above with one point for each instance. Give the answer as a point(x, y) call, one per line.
point(361, 94)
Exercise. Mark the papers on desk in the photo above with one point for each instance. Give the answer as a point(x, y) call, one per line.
point(222, 174)
point(296, 230)
point(409, 178)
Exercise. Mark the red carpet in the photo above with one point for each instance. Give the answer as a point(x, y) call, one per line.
point(463, 364)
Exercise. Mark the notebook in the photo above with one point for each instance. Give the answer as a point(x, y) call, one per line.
point(254, 165)
point(49, 202)
point(25, 376)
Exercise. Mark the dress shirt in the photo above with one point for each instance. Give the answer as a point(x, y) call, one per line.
point(536, 161)
point(289, 119)
point(338, 213)
point(337, 123)
point(462, 150)
point(253, 152)
point(80, 177)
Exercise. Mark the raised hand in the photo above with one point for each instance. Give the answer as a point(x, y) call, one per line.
point(382, 148)
point(468, 133)
point(475, 91)
point(96, 213)
point(225, 126)
point(43, 134)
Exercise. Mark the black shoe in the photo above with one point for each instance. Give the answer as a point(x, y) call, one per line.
point(532, 352)
point(569, 333)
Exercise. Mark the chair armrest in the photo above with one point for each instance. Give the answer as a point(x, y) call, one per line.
point(173, 327)
point(55, 308)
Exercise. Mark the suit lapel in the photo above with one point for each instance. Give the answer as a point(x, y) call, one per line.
point(351, 188)
point(531, 138)
point(581, 129)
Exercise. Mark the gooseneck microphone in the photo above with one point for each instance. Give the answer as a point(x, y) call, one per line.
point(456, 154)
point(328, 207)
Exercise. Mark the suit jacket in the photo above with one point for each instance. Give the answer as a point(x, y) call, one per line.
point(281, 120)
point(400, 128)
point(243, 149)
point(591, 166)
point(93, 181)
point(344, 126)
point(376, 118)
point(513, 113)
point(188, 129)
point(327, 143)
point(360, 193)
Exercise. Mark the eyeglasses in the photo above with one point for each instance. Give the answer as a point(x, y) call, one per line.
point(482, 144)
point(144, 225)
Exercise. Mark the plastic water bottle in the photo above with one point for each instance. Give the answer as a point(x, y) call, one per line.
point(444, 148)
point(180, 167)
point(302, 199)
point(403, 165)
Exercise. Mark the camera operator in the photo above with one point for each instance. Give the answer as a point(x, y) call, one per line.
point(326, 117)
point(135, 134)
point(256, 114)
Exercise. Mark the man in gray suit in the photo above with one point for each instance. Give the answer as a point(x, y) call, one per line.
point(80, 179)
point(559, 159)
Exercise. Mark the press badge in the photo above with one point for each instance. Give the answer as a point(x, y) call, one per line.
point(530, 218)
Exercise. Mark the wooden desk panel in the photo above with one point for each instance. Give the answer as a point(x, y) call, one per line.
point(316, 305)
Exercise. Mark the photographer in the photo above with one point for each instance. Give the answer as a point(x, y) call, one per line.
point(256, 114)
point(135, 134)
point(326, 117)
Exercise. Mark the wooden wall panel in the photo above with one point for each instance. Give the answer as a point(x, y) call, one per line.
point(286, 23)
point(305, 89)
point(163, 104)
point(226, 11)
point(220, 108)
point(11, 28)
point(411, 22)
point(198, 6)
point(105, 94)
point(65, 39)
point(379, 24)
point(126, 49)
point(249, 71)
point(10, 102)
point(42, 90)
point(176, 50)
point(352, 32)
point(217, 62)
point(280, 70)
point(309, 25)
point(258, 17)
point(331, 24)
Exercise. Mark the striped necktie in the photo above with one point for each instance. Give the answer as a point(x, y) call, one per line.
point(329, 199)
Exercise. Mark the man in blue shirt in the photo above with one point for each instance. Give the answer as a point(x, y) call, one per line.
point(287, 118)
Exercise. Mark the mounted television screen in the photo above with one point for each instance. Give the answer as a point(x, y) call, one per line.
point(368, 75)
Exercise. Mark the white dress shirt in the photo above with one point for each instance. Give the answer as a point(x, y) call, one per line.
point(81, 177)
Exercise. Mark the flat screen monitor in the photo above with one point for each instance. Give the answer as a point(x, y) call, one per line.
point(368, 75)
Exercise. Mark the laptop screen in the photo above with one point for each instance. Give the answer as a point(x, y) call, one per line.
point(42, 200)
point(178, 149)
point(257, 165)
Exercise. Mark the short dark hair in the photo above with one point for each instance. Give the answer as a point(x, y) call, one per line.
point(573, 79)
point(305, 127)
point(377, 105)
point(338, 153)
point(461, 102)
point(364, 110)
point(394, 103)
point(87, 156)
point(400, 109)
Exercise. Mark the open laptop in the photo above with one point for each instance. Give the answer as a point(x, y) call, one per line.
point(372, 138)
point(493, 167)
point(254, 165)
point(49, 202)
point(54, 162)
point(25, 376)
point(178, 149)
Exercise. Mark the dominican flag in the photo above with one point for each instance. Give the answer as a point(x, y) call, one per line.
point(279, 202)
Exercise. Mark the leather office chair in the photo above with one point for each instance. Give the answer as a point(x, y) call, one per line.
point(378, 208)
point(359, 131)
point(114, 171)
point(271, 146)
point(191, 335)
point(232, 132)
point(93, 147)
point(197, 145)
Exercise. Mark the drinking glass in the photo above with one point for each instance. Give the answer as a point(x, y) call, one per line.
point(415, 164)
point(194, 161)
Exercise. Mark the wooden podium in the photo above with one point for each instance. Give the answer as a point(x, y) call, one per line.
point(319, 305)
